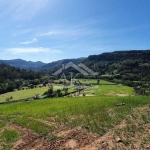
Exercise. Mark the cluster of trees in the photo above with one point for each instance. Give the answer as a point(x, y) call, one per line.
point(58, 93)
point(13, 78)
point(62, 92)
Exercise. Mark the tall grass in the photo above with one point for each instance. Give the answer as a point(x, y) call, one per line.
point(8, 138)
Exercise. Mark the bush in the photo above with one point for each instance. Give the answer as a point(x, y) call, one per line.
point(7, 99)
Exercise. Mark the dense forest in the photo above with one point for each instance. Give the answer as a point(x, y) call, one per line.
point(13, 78)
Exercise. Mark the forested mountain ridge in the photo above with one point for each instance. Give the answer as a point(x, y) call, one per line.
point(121, 55)
point(53, 66)
point(120, 62)
point(37, 66)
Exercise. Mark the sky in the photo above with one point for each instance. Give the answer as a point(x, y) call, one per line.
point(50, 30)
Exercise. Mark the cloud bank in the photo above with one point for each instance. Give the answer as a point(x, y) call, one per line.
point(32, 50)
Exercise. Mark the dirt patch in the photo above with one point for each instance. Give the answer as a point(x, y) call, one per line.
point(89, 95)
point(63, 133)
point(73, 139)
point(71, 144)
point(122, 94)
point(44, 121)
point(110, 94)
point(28, 141)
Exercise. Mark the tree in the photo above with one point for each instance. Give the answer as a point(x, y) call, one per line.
point(66, 91)
point(98, 81)
point(50, 91)
point(58, 93)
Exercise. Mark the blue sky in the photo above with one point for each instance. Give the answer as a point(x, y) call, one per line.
point(49, 30)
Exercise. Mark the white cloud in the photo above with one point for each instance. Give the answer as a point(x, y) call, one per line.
point(32, 50)
point(29, 42)
point(50, 33)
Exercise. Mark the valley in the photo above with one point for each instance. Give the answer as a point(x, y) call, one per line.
point(109, 111)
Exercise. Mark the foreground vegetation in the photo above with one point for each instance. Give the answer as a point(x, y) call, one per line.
point(97, 113)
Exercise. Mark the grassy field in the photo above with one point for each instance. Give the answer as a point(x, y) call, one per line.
point(94, 111)
point(110, 90)
point(26, 93)
point(106, 88)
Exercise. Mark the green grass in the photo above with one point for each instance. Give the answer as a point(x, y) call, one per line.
point(23, 94)
point(2, 124)
point(106, 88)
point(110, 89)
point(7, 138)
point(99, 114)
point(94, 81)
point(34, 125)
point(9, 135)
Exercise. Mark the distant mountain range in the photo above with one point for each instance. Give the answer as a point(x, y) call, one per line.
point(39, 65)
point(118, 62)
point(53, 66)
point(23, 64)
